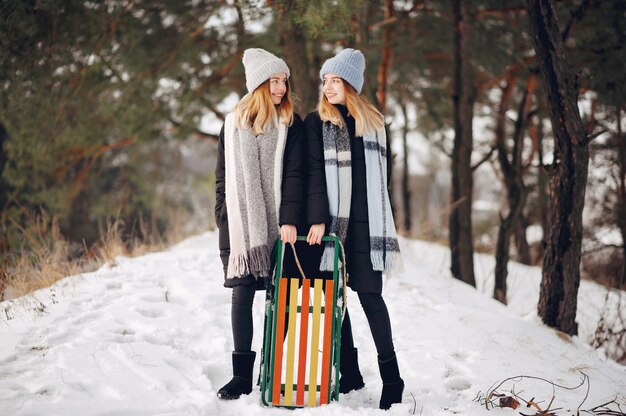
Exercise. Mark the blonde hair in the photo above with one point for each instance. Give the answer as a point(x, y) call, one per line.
point(367, 118)
point(257, 110)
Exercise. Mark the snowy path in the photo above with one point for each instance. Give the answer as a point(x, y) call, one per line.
point(151, 336)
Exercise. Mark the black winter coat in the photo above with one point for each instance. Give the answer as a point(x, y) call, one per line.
point(362, 276)
point(291, 204)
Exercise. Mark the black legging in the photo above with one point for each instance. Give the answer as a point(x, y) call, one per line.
point(241, 316)
point(378, 318)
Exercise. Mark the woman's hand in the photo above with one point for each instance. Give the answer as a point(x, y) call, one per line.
point(288, 233)
point(316, 232)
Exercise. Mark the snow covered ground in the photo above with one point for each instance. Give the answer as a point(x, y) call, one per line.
point(151, 336)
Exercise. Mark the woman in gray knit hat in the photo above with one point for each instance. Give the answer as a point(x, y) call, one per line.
point(258, 196)
point(348, 176)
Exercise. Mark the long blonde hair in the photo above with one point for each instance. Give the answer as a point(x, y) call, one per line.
point(367, 118)
point(257, 110)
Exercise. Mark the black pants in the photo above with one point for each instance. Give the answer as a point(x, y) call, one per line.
point(380, 325)
point(241, 316)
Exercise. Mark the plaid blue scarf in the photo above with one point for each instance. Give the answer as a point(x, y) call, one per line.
point(384, 248)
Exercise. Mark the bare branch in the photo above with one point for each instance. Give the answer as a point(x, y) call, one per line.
point(402, 15)
point(503, 399)
point(485, 158)
point(498, 12)
point(577, 16)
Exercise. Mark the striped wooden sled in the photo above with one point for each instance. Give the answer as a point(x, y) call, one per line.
point(301, 342)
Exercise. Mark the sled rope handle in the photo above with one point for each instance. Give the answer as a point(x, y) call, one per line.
point(295, 256)
point(344, 273)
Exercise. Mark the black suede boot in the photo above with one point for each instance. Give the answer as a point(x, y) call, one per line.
point(351, 378)
point(393, 385)
point(241, 383)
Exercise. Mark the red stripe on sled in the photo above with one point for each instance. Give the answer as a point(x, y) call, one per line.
point(328, 326)
point(304, 332)
point(280, 335)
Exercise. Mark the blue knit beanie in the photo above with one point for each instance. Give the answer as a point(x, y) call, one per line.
point(349, 64)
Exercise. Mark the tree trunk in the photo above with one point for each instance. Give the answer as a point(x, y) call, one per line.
point(621, 194)
point(536, 132)
point(361, 34)
point(513, 179)
point(293, 43)
point(461, 241)
point(506, 225)
point(385, 62)
point(4, 198)
point(4, 189)
point(521, 242)
point(561, 267)
point(406, 189)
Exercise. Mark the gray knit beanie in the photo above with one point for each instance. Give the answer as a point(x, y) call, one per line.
point(260, 65)
point(349, 64)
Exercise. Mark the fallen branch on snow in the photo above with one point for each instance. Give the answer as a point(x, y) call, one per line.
point(513, 400)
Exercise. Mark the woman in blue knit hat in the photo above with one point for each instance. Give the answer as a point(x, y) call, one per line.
point(349, 172)
point(258, 196)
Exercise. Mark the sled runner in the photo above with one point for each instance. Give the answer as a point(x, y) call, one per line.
point(303, 313)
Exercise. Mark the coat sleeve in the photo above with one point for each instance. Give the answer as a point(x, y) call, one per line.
point(292, 184)
point(389, 161)
point(220, 180)
point(317, 198)
point(221, 216)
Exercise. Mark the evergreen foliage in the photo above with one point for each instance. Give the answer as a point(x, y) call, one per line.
point(97, 98)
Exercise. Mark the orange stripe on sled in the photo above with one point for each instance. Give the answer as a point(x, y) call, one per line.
point(291, 341)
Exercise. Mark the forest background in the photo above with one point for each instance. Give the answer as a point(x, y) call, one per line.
point(506, 121)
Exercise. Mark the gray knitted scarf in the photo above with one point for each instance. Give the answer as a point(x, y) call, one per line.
point(384, 248)
point(253, 170)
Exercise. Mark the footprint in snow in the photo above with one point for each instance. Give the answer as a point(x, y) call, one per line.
point(150, 313)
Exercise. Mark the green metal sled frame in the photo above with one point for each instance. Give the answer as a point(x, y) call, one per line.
point(277, 309)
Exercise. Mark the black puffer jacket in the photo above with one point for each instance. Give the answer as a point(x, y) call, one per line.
point(291, 204)
point(363, 277)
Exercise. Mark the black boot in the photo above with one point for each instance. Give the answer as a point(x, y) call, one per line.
point(351, 378)
point(393, 385)
point(241, 383)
